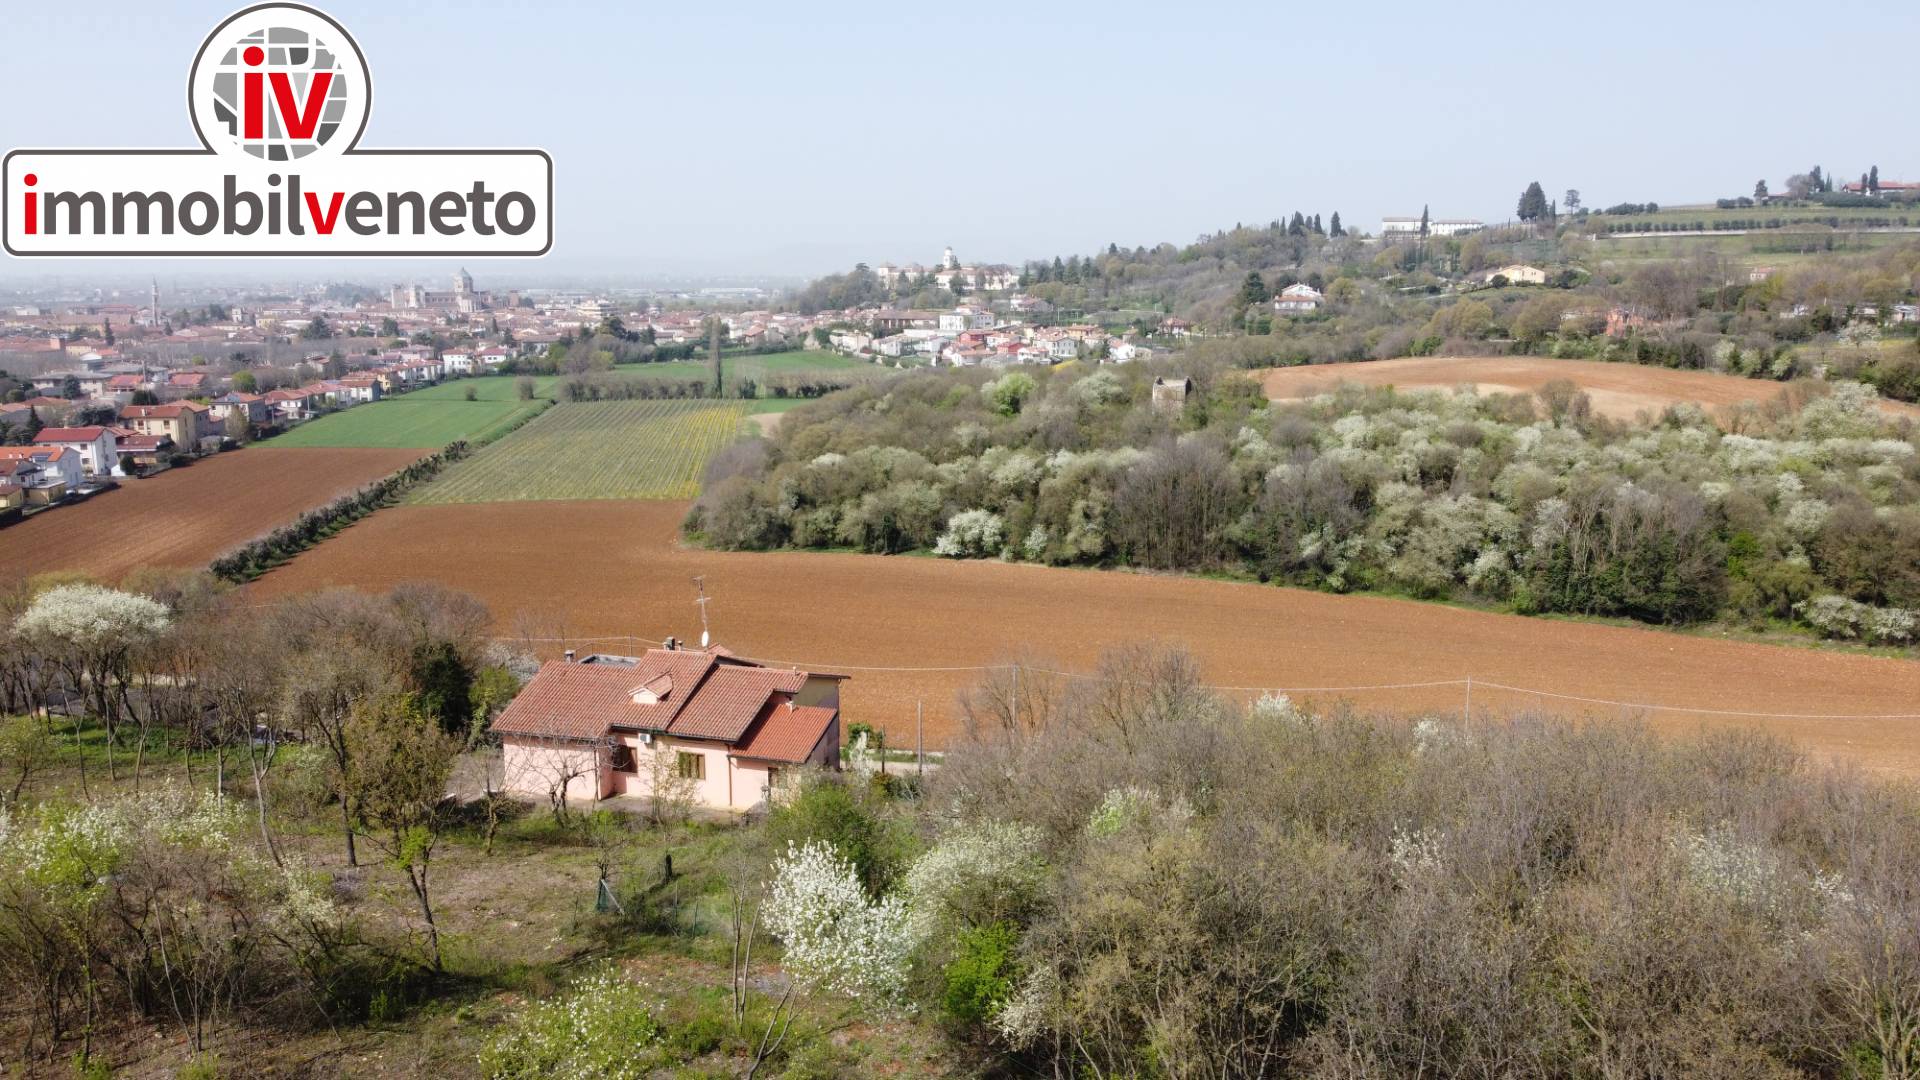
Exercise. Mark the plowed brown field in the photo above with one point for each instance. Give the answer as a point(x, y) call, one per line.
point(185, 517)
point(615, 568)
point(1620, 391)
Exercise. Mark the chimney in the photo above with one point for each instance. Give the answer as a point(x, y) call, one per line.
point(569, 656)
point(671, 644)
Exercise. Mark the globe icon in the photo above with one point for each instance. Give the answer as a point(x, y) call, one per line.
point(277, 52)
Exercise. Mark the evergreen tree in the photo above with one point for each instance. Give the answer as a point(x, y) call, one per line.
point(1334, 228)
point(1873, 180)
point(106, 330)
point(1254, 290)
point(1316, 226)
point(1533, 203)
point(1426, 222)
point(1759, 190)
point(35, 425)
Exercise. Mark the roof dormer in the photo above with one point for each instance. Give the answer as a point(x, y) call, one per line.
point(653, 691)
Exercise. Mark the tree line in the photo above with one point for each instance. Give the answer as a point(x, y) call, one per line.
point(1531, 503)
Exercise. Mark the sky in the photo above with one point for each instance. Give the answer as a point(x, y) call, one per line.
point(763, 138)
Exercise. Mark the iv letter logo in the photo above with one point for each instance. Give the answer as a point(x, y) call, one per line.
point(279, 95)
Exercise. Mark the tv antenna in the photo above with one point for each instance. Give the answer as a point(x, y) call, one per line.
point(700, 582)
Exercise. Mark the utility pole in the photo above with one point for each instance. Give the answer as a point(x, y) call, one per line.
point(919, 754)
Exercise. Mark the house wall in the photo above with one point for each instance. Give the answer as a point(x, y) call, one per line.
point(531, 768)
point(715, 791)
point(731, 783)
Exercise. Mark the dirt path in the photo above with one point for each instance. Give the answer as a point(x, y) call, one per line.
point(1620, 391)
point(614, 568)
point(185, 517)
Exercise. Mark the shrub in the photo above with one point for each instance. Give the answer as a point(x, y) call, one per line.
point(603, 1026)
point(971, 534)
point(828, 810)
point(979, 980)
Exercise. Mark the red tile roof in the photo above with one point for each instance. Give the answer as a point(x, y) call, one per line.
point(160, 412)
point(700, 695)
point(787, 735)
point(68, 434)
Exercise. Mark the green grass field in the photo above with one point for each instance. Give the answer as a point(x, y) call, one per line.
point(427, 419)
point(486, 388)
point(596, 450)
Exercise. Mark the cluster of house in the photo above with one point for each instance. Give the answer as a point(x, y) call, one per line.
point(64, 459)
point(971, 335)
point(720, 730)
point(950, 271)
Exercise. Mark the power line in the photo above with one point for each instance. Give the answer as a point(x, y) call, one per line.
point(1465, 681)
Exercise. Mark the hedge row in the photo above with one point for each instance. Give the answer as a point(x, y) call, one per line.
point(256, 557)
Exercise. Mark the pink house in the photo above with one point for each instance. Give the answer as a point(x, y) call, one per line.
point(605, 726)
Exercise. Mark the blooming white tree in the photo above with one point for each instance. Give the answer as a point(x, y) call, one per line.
point(971, 534)
point(976, 874)
point(91, 633)
point(836, 938)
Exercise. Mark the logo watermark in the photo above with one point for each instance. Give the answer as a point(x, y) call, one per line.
point(279, 95)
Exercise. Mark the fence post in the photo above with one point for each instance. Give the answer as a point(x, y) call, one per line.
point(919, 755)
point(1468, 716)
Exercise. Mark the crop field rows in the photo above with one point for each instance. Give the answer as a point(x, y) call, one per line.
point(596, 450)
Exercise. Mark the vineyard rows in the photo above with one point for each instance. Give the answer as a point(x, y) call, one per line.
point(595, 450)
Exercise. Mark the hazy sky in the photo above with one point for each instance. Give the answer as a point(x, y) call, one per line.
point(761, 137)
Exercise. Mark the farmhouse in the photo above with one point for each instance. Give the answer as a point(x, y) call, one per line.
point(1519, 274)
point(725, 727)
point(1298, 299)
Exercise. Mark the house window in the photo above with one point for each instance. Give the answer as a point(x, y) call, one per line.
point(690, 766)
point(622, 758)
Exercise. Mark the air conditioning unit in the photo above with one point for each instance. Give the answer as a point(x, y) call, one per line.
point(646, 738)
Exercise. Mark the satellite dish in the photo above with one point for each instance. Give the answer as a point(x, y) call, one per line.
point(703, 639)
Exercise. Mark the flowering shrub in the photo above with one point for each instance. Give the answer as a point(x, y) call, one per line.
point(1124, 808)
point(604, 1026)
point(835, 938)
point(977, 873)
point(1414, 853)
point(1838, 617)
point(971, 534)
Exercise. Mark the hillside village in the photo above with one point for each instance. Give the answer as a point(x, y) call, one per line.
point(103, 389)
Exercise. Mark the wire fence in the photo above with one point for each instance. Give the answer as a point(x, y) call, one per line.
point(1467, 684)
